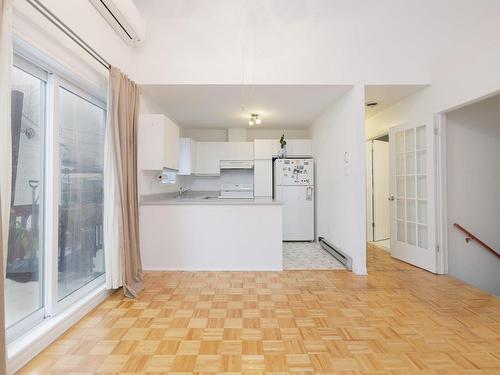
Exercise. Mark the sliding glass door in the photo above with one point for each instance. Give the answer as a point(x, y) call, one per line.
point(55, 253)
point(24, 278)
point(81, 160)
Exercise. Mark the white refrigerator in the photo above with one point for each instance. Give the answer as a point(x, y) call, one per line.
point(294, 186)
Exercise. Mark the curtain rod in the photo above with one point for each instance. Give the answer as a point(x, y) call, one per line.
point(70, 33)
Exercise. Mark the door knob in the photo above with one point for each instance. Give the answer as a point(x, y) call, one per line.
point(391, 198)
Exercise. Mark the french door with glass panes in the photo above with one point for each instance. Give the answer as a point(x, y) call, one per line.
point(55, 253)
point(412, 195)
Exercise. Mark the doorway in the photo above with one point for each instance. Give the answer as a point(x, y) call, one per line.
point(472, 159)
point(378, 192)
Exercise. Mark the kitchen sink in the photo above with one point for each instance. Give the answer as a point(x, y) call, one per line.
point(195, 198)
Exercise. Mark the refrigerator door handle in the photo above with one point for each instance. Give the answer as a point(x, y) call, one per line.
point(309, 192)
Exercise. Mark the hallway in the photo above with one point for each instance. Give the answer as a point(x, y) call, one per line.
point(399, 319)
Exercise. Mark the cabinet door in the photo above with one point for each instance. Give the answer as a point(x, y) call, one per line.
point(299, 147)
point(228, 150)
point(171, 148)
point(245, 150)
point(236, 150)
point(263, 148)
point(275, 147)
point(263, 181)
point(185, 156)
point(209, 157)
point(194, 156)
point(151, 143)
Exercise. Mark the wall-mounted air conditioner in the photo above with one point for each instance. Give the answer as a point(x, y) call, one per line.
point(124, 18)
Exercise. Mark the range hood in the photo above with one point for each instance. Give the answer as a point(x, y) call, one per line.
point(236, 164)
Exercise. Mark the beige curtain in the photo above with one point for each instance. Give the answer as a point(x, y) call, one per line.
point(5, 159)
point(3, 352)
point(122, 137)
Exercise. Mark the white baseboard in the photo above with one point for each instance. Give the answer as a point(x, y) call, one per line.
point(26, 347)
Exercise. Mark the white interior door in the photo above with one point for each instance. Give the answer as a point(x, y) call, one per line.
point(381, 191)
point(412, 195)
point(369, 192)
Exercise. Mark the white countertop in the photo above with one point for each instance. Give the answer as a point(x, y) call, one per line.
point(201, 198)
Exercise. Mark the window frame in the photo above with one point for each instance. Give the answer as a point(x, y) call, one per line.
point(35, 317)
point(49, 228)
point(54, 305)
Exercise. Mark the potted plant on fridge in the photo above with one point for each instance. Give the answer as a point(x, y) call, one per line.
point(283, 146)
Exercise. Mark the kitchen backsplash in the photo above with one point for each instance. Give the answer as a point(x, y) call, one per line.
point(204, 183)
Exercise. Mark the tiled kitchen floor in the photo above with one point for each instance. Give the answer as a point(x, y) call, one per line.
point(308, 256)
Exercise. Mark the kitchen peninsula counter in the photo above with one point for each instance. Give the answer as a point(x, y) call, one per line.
point(208, 198)
point(196, 233)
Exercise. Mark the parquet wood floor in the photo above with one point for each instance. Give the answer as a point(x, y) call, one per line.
point(397, 320)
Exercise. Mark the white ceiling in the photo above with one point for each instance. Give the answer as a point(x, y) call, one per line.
point(386, 96)
point(220, 106)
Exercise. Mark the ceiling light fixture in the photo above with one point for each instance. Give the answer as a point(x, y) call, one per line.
point(254, 119)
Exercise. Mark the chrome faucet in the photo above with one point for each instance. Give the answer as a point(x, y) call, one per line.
point(182, 191)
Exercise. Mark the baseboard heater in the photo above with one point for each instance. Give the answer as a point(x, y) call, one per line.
point(343, 258)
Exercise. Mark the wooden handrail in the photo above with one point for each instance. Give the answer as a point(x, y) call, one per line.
point(471, 237)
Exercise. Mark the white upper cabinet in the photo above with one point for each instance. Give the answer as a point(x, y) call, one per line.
point(208, 157)
point(263, 178)
point(298, 147)
point(187, 156)
point(265, 148)
point(237, 151)
point(269, 148)
point(158, 143)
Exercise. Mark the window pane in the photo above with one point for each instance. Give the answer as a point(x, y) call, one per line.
point(410, 140)
point(23, 285)
point(81, 257)
point(401, 231)
point(421, 138)
point(411, 233)
point(400, 142)
point(411, 214)
point(422, 236)
point(400, 164)
point(410, 163)
point(421, 162)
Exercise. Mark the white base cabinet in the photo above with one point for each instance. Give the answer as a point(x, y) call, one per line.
point(211, 237)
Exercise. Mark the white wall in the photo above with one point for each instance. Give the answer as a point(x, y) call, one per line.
point(220, 135)
point(84, 20)
point(253, 134)
point(473, 186)
point(340, 185)
point(321, 41)
point(453, 85)
point(205, 135)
